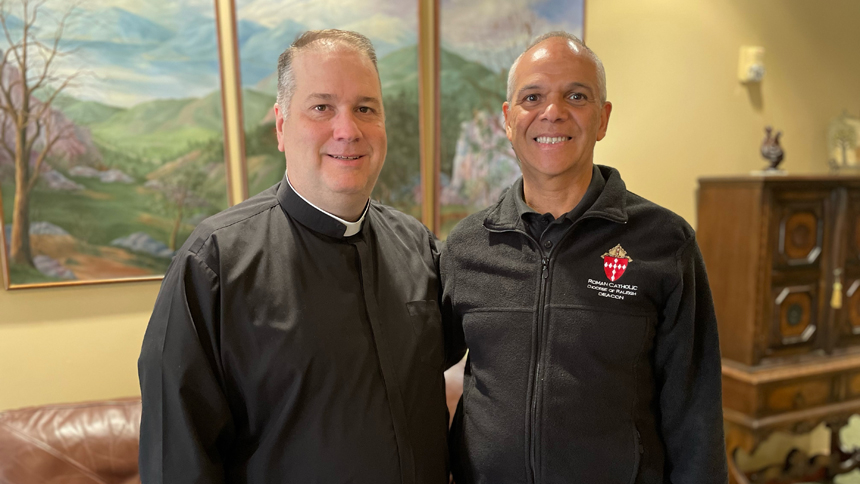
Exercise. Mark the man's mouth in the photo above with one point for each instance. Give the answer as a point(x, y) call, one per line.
point(345, 157)
point(551, 140)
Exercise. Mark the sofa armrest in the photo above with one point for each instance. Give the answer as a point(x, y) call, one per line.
point(82, 443)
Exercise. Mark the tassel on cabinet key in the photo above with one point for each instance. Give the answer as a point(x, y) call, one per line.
point(836, 299)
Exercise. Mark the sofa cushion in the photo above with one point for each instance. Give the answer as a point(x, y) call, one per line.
point(83, 443)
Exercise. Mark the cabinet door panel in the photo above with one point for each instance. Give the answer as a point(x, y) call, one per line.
point(795, 318)
point(798, 228)
point(847, 265)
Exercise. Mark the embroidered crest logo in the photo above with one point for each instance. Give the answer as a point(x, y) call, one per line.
point(615, 262)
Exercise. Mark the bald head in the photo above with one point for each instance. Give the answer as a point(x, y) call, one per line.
point(575, 44)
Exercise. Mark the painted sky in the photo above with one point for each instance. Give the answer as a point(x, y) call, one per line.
point(267, 27)
point(125, 52)
point(170, 13)
point(495, 33)
point(390, 21)
point(128, 51)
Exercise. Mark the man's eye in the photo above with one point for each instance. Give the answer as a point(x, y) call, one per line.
point(320, 107)
point(531, 98)
point(578, 96)
point(365, 110)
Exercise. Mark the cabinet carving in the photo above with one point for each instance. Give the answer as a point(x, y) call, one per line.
point(783, 259)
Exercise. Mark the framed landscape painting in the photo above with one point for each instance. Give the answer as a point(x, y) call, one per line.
point(267, 27)
point(479, 40)
point(111, 137)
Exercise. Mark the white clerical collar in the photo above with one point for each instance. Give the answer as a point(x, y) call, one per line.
point(352, 228)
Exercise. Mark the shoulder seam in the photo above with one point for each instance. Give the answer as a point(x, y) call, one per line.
point(205, 265)
point(195, 248)
point(221, 227)
point(679, 254)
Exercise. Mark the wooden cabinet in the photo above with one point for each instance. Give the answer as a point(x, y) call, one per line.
point(783, 259)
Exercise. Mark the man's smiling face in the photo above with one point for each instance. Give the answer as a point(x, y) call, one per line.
point(334, 135)
point(555, 115)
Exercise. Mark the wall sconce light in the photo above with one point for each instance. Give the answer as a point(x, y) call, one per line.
point(751, 64)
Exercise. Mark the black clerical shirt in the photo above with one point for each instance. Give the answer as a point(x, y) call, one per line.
point(280, 351)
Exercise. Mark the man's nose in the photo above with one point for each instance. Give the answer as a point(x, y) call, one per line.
point(553, 111)
point(346, 127)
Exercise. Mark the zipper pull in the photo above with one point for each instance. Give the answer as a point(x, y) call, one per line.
point(545, 268)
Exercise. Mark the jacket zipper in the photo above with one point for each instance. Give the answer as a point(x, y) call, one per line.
point(539, 355)
point(544, 276)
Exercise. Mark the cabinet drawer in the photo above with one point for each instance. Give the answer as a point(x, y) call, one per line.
point(852, 385)
point(798, 395)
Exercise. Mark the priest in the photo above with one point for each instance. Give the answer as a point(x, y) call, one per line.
point(297, 336)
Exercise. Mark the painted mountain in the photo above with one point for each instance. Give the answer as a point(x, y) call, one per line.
point(124, 133)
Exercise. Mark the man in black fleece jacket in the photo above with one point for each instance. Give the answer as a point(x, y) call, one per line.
point(593, 344)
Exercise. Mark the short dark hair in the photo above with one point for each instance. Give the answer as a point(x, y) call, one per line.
point(308, 39)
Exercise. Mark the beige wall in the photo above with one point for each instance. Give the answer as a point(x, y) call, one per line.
point(73, 343)
point(678, 111)
point(678, 114)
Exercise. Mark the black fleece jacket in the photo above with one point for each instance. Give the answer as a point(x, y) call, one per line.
point(577, 374)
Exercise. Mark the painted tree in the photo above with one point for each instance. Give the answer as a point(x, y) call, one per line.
point(29, 128)
point(179, 190)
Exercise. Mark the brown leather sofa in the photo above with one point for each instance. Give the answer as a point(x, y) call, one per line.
point(82, 443)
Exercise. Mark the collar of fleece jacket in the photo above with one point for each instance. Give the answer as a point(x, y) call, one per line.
point(610, 205)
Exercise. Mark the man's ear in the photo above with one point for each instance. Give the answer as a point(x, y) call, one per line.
point(605, 111)
point(279, 126)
